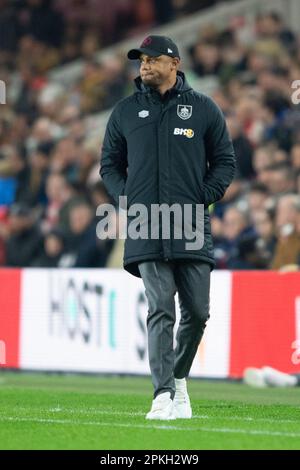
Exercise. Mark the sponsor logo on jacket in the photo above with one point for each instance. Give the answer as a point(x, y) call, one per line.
point(144, 113)
point(189, 133)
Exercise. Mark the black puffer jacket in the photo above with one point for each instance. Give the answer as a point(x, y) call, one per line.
point(170, 149)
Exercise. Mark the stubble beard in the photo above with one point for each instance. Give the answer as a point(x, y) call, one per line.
point(152, 81)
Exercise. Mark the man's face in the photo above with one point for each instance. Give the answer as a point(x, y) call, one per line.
point(156, 70)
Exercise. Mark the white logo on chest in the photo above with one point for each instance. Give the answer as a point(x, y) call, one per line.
point(184, 111)
point(144, 113)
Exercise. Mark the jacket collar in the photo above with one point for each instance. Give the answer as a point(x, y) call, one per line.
point(180, 85)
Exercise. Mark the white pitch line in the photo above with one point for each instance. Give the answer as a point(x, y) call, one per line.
point(166, 427)
point(141, 413)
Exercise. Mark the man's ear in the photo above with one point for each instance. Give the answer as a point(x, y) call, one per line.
point(175, 63)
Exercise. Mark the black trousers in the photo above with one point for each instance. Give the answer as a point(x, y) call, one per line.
point(161, 280)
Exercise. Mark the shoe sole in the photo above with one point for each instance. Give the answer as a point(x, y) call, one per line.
point(183, 417)
point(170, 418)
point(179, 415)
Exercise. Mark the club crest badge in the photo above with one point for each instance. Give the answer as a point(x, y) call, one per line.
point(184, 111)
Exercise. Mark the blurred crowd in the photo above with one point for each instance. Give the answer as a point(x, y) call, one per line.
point(49, 181)
point(257, 224)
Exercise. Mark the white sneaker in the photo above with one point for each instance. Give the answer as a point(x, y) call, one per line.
point(182, 404)
point(162, 407)
point(275, 378)
point(254, 377)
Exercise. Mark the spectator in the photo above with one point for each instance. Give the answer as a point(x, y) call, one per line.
point(33, 179)
point(44, 23)
point(4, 233)
point(262, 159)
point(295, 156)
point(53, 250)
point(206, 58)
point(256, 197)
point(281, 179)
point(235, 228)
point(82, 243)
point(242, 148)
point(24, 244)
point(287, 250)
point(264, 241)
point(12, 175)
point(58, 192)
point(8, 27)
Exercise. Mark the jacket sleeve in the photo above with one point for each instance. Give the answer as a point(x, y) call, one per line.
point(220, 155)
point(113, 166)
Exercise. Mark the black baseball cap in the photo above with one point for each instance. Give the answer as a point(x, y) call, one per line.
point(155, 46)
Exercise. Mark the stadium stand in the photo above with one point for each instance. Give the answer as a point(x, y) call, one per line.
point(65, 67)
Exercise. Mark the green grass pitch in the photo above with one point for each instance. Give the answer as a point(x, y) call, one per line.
point(39, 411)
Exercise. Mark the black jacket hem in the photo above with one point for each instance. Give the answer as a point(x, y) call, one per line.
point(131, 264)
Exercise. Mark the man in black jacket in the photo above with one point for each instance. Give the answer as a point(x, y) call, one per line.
point(167, 145)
